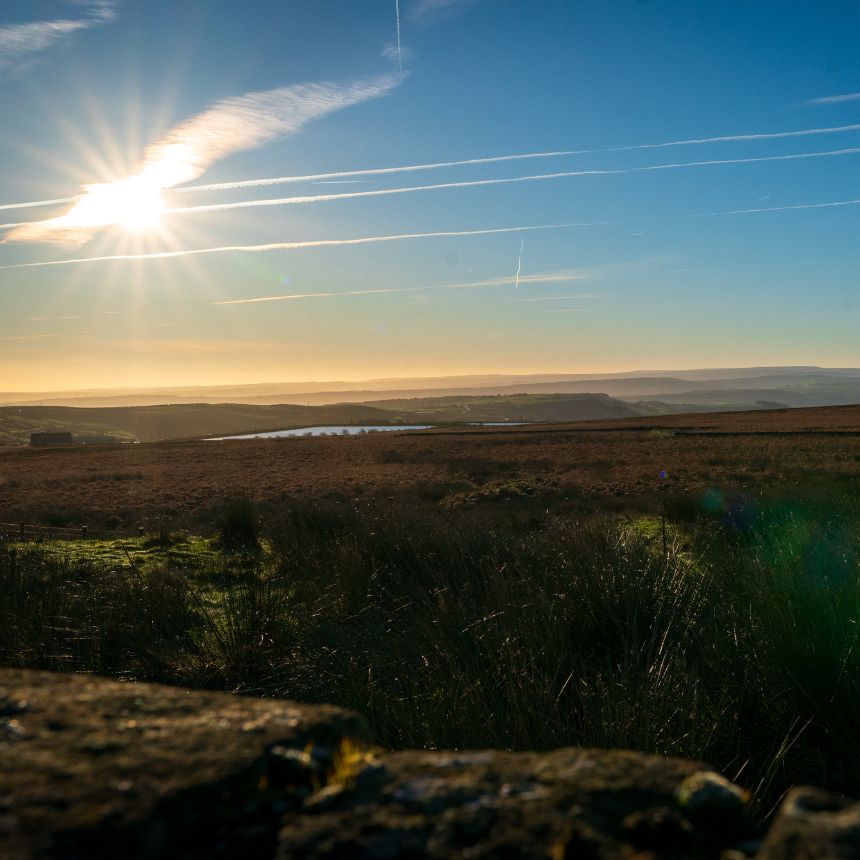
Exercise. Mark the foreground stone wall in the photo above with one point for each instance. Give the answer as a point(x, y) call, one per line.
point(97, 768)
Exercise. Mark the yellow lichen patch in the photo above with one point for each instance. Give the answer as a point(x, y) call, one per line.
point(349, 760)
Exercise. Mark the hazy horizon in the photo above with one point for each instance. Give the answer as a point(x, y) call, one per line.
point(358, 390)
point(422, 189)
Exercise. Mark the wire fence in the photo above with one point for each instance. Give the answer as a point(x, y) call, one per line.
point(31, 533)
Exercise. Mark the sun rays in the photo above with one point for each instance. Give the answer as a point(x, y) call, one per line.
point(134, 204)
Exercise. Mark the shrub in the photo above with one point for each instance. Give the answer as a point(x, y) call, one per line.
point(237, 526)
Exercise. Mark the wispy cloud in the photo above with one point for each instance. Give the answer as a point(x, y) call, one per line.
point(438, 9)
point(28, 336)
point(828, 205)
point(556, 298)
point(187, 151)
point(249, 121)
point(102, 11)
point(835, 100)
point(551, 277)
point(21, 43)
point(200, 346)
point(486, 283)
point(292, 246)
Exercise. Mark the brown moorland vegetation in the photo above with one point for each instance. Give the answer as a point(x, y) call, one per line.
point(610, 464)
point(465, 588)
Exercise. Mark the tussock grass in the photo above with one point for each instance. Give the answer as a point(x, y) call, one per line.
point(504, 625)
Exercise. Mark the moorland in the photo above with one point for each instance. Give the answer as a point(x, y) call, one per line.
point(685, 585)
point(177, 413)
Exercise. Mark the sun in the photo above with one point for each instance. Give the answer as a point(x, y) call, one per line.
point(134, 204)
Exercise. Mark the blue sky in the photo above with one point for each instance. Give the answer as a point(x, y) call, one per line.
point(665, 268)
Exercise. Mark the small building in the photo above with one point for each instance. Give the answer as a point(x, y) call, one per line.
point(49, 440)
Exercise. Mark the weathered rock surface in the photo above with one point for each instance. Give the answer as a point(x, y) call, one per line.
point(814, 824)
point(570, 803)
point(99, 768)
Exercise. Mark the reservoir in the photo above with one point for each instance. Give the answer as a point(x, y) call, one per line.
point(344, 430)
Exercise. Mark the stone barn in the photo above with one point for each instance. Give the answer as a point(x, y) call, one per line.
point(49, 440)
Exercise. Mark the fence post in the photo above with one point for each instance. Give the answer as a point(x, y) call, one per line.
point(22, 531)
point(84, 532)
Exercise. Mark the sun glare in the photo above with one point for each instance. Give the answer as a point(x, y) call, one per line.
point(133, 204)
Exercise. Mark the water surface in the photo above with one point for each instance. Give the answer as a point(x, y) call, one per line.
point(329, 430)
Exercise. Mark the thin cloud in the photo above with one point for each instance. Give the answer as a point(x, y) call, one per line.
point(829, 205)
point(199, 346)
point(28, 336)
point(835, 100)
point(551, 278)
point(292, 246)
point(52, 319)
point(102, 11)
point(437, 9)
point(249, 121)
point(296, 296)
point(21, 43)
point(467, 285)
point(235, 124)
point(556, 298)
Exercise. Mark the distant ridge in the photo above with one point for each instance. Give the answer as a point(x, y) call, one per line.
point(646, 384)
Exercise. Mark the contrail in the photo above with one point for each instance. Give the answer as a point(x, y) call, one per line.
point(290, 246)
point(34, 203)
point(778, 208)
point(397, 18)
point(439, 165)
point(469, 285)
point(474, 183)
point(293, 296)
point(380, 192)
point(538, 177)
point(519, 264)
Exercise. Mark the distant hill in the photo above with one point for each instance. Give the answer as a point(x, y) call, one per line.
point(495, 398)
point(154, 423)
point(180, 421)
point(516, 407)
point(810, 386)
